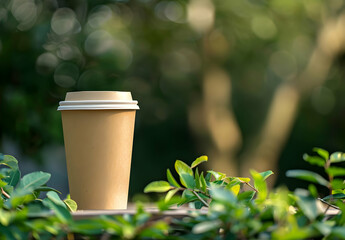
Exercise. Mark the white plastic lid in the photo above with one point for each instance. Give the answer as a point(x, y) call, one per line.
point(98, 100)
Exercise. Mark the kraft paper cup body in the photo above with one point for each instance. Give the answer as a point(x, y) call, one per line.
point(98, 133)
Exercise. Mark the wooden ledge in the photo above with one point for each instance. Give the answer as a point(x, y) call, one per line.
point(180, 212)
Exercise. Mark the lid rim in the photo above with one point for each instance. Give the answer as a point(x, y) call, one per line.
point(98, 100)
point(71, 103)
point(100, 107)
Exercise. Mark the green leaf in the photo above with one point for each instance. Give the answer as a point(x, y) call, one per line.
point(9, 189)
point(323, 227)
point(34, 180)
point(172, 180)
point(338, 232)
point(170, 194)
point(247, 180)
point(18, 197)
point(87, 226)
point(5, 217)
point(181, 167)
point(217, 175)
point(71, 204)
point(37, 210)
point(159, 230)
point(313, 190)
point(246, 196)
point(338, 184)
point(141, 217)
point(335, 191)
point(10, 161)
point(157, 186)
point(187, 181)
point(336, 171)
point(222, 195)
point(198, 204)
point(206, 226)
point(294, 232)
point(334, 196)
point(218, 183)
point(233, 182)
point(164, 205)
point(235, 189)
point(203, 182)
point(55, 198)
point(314, 160)
point(47, 189)
point(337, 157)
point(308, 176)
point(61, 212)
point(199, 160)
point(323, 153)
point(186, 174)
point(13, 177)
point(266, 174)
point(260, 185)
point(7, 233)
point(208, 177)
point(2, 183)
point(341, 221)
point(307, 204)
point(197, 179)
point(187, 196)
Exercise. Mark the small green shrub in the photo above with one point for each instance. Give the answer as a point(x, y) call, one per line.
point(225, 207)
point(238, 209)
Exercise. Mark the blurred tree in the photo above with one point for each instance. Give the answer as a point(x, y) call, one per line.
point(290, 45)
point(223, 78)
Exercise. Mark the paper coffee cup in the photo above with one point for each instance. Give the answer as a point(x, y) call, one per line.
point(98, 132)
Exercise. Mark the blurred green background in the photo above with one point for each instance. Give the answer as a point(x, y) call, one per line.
point(250, 83)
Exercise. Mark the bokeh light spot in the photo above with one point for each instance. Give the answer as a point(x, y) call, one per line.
point(25, 12)
point(179, 63)
point(46, 63)
point(99, 16)
point(200, 15)
point(92, 79)
point(67, 52)
point(263, 27)
point(66, 75)
point(218, 44)
point(101, 42)
point(159, 10)
point(323, 100)
point(64, 21)
point(283, 64)
point(170, 11)
point(98, 42)
point(124, 53)
point(301, 48)
point(174, 12)
point(314, 9)
point(3, 14)
point(286, 7)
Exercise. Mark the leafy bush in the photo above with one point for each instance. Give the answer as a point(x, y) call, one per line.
point(225, 207)
point(23, 215)
point(238, 210)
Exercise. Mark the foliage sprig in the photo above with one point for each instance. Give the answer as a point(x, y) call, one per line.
point(234, 207)
point(197, 187)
